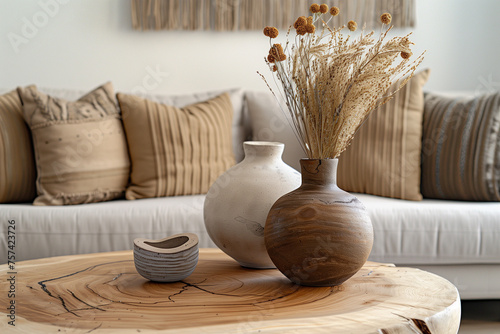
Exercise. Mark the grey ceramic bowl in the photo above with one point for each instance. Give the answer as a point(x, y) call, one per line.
point(169, 259)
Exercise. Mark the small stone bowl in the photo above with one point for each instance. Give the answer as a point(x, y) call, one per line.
point(170, 259)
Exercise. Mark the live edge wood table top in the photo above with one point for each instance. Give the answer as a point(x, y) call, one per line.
point(103, 293)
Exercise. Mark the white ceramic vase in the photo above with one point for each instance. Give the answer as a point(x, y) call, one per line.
point(238, 202)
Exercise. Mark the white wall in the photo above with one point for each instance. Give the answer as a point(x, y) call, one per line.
point(83, 43)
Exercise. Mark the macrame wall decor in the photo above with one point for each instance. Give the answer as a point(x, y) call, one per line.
point(227, 15)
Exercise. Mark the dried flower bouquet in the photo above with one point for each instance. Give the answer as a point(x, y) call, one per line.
point(331, 82)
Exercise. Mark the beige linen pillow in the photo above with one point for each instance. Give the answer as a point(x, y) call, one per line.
point(240, 127)
point(461, 148)
point(384, 157)
point(80, 147)
point(176, 151)
point(17, 164)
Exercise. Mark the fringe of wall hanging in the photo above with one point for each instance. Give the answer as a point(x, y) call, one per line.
point(227, 15)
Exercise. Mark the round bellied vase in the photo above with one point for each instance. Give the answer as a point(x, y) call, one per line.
point(237, 204)
point(318, 234)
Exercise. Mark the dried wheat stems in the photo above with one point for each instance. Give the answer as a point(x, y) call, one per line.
point(331, 81)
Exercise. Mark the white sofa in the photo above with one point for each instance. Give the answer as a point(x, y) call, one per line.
point(456, 240)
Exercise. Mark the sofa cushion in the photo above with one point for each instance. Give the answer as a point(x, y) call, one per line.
point(17, 165)
point(433, 231)
point(240, 129)
point(270, 123)
point(80, 147)
point(461, 148)
point(384, 156)
point(176, 151)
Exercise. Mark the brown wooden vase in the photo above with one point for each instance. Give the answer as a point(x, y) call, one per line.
point(318, 234)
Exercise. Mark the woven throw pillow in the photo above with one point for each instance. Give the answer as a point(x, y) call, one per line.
point(17, 165)
point(461, 148)
point(80, 147)
point(384, 156)
point(176, 151)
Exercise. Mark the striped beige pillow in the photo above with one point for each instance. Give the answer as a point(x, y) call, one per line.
point(384, 157)
point(80, 149)
point(17, 164)
point(461, 148)
point(176, 151)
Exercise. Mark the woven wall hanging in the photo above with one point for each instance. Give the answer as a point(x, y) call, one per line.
point(227, 15)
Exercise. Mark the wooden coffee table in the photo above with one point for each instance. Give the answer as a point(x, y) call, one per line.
point(97, 293)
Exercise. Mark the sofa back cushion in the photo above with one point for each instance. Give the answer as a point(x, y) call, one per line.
point(80, 149)
point(461, 148)
point(176, 151)
point(17, 165)
point(270, 123)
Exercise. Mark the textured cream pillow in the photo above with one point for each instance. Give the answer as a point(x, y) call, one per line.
point(17, 164)
point(461, 148)
point(80, 148)
point(384, 156)
point(176, 151)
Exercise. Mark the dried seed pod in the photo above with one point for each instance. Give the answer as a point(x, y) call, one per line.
point(310, 28)
point(386, 18)
point(406, 55)
point(352, 25)
point(314, 8)
point(301, 30)
point(334, 11)
point(301, 21)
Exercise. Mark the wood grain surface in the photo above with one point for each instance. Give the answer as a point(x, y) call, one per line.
point(103, 293)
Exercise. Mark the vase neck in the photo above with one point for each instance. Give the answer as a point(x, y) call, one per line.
point(319, 171)
point(270, 151)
